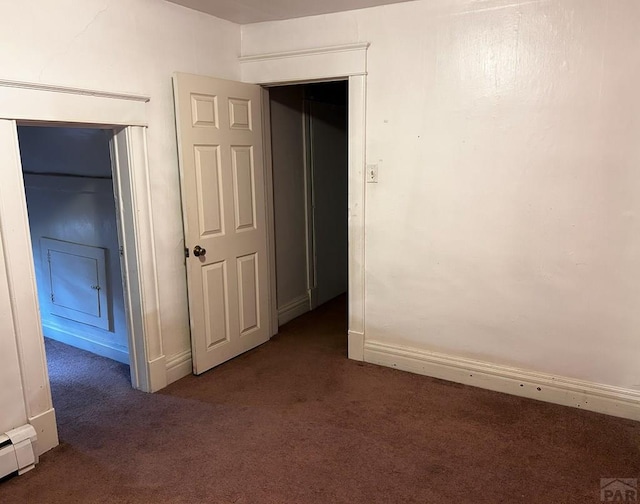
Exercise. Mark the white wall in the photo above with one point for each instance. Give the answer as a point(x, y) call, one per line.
point(79, 211)
point(69, 151)
point(128, 46)
point(324, 138)
point(505, 224)
point(287, 148)
point(76, 209)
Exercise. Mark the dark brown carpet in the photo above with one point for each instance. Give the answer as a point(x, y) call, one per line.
point(294, 421)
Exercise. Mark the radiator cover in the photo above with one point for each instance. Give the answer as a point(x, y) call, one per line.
point(17, 450)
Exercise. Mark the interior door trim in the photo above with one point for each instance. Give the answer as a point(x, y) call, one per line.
point(325, 64)
point(127, 115)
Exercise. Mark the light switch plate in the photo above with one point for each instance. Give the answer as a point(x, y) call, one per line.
point(372, 173)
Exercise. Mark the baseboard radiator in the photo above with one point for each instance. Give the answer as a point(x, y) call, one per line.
point(17, 451)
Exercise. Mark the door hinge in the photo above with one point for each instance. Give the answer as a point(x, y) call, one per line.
point(53, 298)
point(121, 250)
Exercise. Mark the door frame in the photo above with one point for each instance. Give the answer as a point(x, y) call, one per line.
point(309, 213)
point(126, 114)
point(344, 62)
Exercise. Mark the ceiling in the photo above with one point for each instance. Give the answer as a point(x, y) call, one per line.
point(255, 11)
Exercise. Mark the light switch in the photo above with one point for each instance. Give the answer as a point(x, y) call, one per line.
point(372, 173)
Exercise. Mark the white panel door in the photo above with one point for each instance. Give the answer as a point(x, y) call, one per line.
point(223, 204)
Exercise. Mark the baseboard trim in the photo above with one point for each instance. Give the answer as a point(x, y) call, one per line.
point(591, 396)
point(46, 429)
point(157, 373)
point(356, 345)
point(96, 347)
point(299, 306)
point(179, 366)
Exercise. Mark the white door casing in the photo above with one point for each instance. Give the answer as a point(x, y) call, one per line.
point(13, 411)
point(332, 63)
point(220, 148)
point(35, 102)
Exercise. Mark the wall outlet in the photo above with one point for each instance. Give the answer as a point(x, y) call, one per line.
point(372, 173)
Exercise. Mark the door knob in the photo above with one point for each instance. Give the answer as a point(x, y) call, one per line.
point(199, 251)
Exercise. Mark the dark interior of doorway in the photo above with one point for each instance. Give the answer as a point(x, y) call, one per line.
point(309, 145)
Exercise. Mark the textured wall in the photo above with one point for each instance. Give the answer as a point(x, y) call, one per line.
point(504, 226)
point(287, 146)
point(77, 210)
point(82, 212)
point(128, 46)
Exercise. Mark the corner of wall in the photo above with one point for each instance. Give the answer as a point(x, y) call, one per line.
point(294, 309)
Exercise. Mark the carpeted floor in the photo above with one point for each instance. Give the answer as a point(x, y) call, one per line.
point(294, 421)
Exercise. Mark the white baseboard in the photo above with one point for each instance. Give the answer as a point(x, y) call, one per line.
point(46, 429)
point(179, 366)
point(591, 396)
point(293, 309)
point(158, 373)
point(356, 345)
point(96, 347)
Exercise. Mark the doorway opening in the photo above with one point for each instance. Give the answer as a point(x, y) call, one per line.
point(310, 166)
point(74, 229)
point(126, 115)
